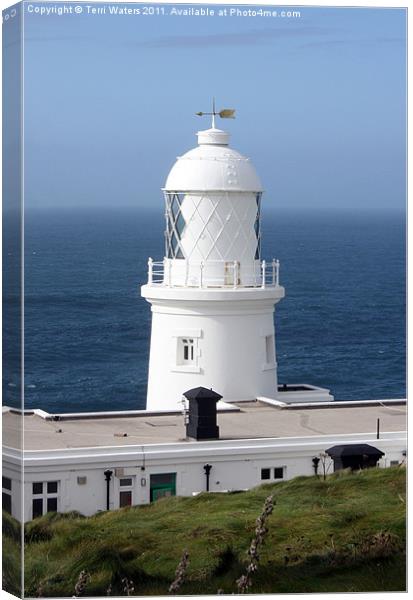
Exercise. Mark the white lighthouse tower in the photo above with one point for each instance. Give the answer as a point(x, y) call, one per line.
point(212, 296)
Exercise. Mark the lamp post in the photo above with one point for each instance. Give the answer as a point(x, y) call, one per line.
point(108, 477)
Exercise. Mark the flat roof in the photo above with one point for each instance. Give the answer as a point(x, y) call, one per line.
point(253, 420)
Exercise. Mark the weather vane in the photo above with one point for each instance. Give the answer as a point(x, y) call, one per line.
point(225, 113)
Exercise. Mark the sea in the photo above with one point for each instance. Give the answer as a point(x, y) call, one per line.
point(341, 324)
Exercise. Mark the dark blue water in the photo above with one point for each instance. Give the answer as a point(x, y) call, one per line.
point(341, 324)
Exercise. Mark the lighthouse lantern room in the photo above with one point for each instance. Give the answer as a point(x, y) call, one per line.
point(212, 296)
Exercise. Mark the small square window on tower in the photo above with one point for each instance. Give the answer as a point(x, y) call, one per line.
point(268, 352)
point(269, 349)
point(187, 351)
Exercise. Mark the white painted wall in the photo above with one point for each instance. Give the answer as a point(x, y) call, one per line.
point(212, 198)
point(236, 465)
point(230, 346)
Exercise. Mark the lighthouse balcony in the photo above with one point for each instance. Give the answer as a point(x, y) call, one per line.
point(184, 273)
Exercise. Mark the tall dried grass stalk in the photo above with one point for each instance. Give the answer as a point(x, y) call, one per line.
point(128, 586)
point(82, 581)
point(245, 581)
point(180, 574)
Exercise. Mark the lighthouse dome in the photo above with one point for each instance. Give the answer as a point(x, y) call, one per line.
point(213, 166)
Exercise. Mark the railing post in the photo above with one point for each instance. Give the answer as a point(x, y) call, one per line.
point(150, 271)
point(235, 274)
point(201, 268)
point(186, 272)
point(263, 267)
point(169, 272)
point(277, 273)
point(165, 271)
point(273, 264)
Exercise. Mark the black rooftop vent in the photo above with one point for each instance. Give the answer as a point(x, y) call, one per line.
point(354, 456)
point(201, 393)
point(353, 449)
point(202, 421)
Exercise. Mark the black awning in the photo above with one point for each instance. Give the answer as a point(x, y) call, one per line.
point(353, 450)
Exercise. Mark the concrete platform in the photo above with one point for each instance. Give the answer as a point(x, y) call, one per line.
point(252, 420)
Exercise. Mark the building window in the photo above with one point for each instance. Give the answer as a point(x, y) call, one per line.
point(186, 354)
point(265, 473)
point(125, 482)
point(269, 350)
point(51, 505)
point(52, 487)
point(126, 491)
point(37, 507)
point(175, 224)
point(394, 463)
point(45, 497)
point(125, 499)
point(273, 473)
point(188, 348)
point(6, 496)
point(6, 499)
point(37, 488)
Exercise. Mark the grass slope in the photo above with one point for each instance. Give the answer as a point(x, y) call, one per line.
point(343, 534)
point(11, 555)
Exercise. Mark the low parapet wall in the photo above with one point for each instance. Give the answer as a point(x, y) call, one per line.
point(305, 403)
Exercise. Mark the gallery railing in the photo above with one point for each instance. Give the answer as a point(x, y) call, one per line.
point(213, 273)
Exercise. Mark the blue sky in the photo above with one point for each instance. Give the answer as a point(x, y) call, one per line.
point(110, 103)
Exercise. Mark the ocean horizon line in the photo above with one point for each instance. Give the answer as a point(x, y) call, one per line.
point(307, 210)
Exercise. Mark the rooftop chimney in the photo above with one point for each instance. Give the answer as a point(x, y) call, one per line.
point(202, 421)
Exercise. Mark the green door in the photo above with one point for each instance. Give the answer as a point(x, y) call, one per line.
point(162, 485)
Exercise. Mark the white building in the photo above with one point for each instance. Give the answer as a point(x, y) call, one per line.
point(93, 461)
point(212, 300)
